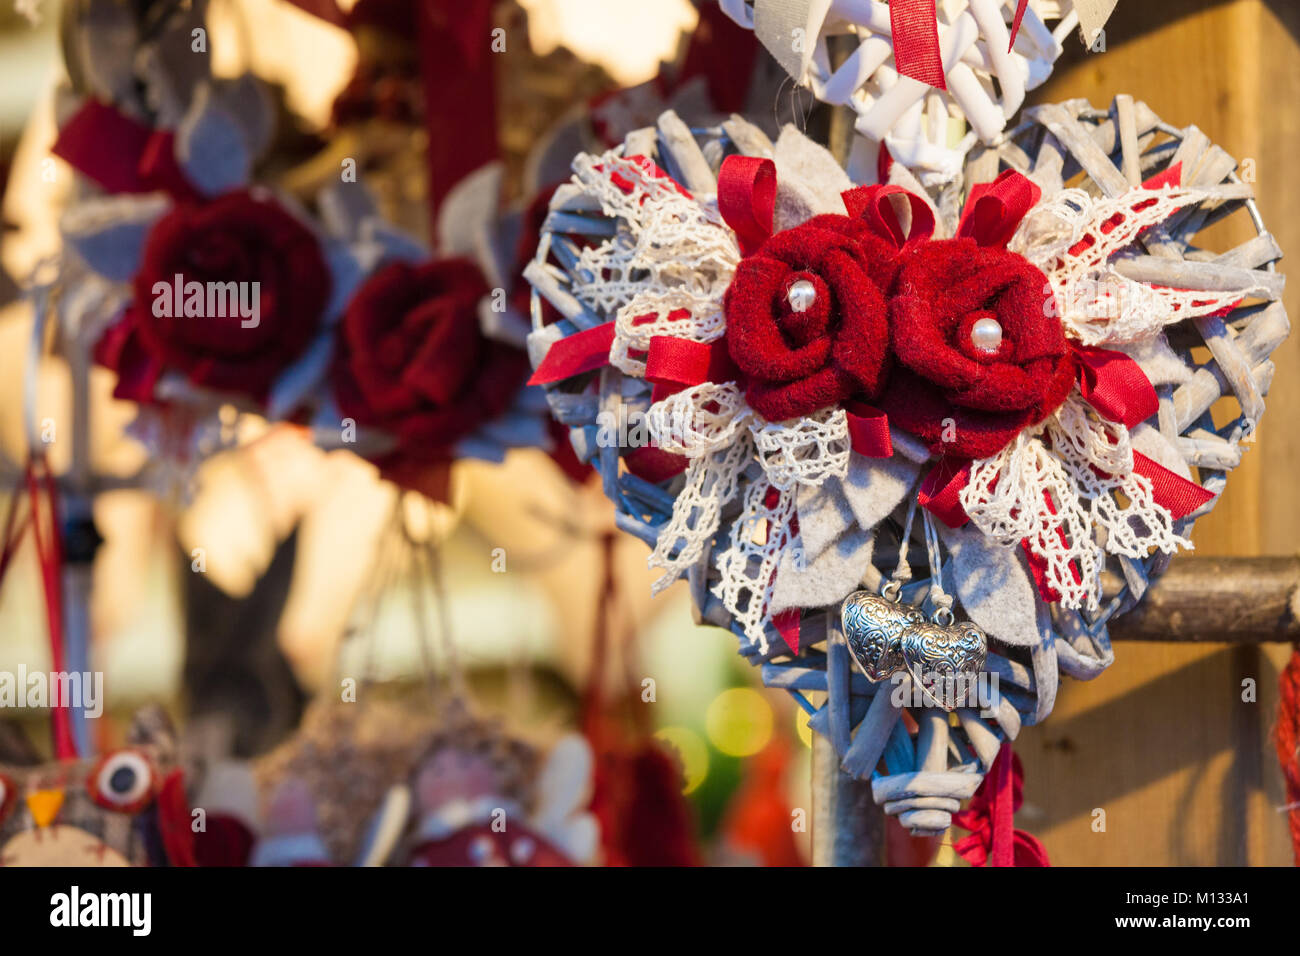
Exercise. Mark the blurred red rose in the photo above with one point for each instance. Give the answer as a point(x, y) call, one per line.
point(237, 238)
point(412, 361)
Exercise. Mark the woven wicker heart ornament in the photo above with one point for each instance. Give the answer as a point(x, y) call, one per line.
point(999, 458)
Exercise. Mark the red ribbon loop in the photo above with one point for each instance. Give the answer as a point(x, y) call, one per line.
point(1115, 386)
point(994, 210)
point(575, 354)
point(915, 28)
point(940, 491)
point(120, 153)
point(673, 364)
point(869, 430)
point(747, 199)
point(991, 819)
point(872, 204)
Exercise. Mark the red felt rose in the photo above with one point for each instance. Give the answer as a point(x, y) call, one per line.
point(236, 238)
point(796, 363)
point(940, 378)
point(412, 361)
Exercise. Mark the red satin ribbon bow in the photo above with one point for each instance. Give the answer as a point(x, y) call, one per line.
point(991, 819)
point(120, 153)
point(915, 28)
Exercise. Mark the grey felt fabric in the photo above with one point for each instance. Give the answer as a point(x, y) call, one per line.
point(808, 180)
point(874, 487)
point(109, 232)
point(296, 382)
point(212, 147)
point(824, 514)
point(467, 217)
point(1046, 673)
point(994, 587)
point(828, 579)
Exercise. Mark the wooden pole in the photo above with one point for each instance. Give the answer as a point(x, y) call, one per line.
point(1206, 599)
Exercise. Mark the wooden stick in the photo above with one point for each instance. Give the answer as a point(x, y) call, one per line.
point(1229, 600)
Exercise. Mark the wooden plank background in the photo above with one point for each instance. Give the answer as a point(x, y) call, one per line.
point(1163, 743)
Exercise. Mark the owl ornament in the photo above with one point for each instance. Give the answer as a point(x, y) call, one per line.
point(891, 435)
point(125, 808)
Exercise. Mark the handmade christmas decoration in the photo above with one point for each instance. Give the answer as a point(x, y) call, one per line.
point(921, 68)
point(212, 290)
point(423, 790)
point(795, 388)
point(126, 807)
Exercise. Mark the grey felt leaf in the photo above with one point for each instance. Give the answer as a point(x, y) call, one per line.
point(211, 146)
point(873, 487)
point(808, 180)
point(824, 514)
point(993, 586)
point(246, 99)
point(825, 581)
point(466, 219)
point(344, 208)
point(1158, 361)
point(295, 383)
point(1046, 673)
point(109, 232)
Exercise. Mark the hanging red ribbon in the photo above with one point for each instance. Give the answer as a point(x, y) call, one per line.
point(915, 28)
point(993, 210)
point(991, 819)
point(940, 491)
point(747, 199)
point(49, 554)
point(460, 102)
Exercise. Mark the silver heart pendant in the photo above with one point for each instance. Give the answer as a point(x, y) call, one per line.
point(945, 661)
point(872, 628)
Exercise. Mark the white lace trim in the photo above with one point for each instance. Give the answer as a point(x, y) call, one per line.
point(748, 564)
point(1055, 489)
point(1097, 305)
point(666, 241)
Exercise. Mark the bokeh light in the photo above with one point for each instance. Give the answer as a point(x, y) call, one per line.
point(739, 722)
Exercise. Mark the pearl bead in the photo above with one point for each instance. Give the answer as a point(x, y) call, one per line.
point(986, 335)
point(801, 295)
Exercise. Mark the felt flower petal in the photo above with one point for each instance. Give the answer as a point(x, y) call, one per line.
point(211, 146)
point(874, 487)
point(994, 586)
point(827, 580)
point(109, 232)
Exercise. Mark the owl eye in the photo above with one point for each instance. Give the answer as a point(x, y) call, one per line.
point(8, 793)
point(122, 781)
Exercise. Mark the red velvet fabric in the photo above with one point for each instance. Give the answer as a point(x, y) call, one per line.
point(234, 238)
point(942, 289)
point(412, 361)
point(797, 363)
